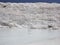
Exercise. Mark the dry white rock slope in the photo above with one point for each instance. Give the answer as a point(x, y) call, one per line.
point(29, 19)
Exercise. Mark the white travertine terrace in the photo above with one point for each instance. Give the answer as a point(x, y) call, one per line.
point(31, 15)
point(29, 23)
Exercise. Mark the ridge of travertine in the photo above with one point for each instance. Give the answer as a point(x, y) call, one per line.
point(39, 16)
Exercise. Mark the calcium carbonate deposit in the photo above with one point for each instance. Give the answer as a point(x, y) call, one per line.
point(28, 23)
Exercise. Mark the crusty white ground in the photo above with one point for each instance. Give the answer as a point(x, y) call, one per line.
point(29, 23)
point(31, 15)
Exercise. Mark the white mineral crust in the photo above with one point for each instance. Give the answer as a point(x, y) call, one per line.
point(29, 23)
